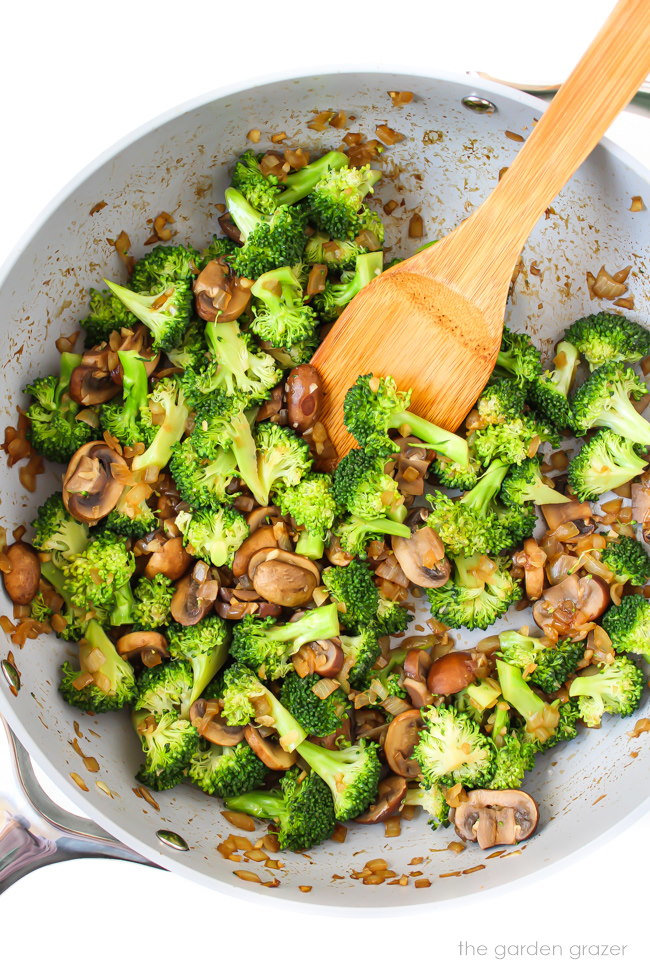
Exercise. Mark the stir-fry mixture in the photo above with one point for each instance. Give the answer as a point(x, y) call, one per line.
point(245, 597)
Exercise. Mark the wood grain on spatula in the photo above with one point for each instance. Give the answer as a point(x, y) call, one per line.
point(434, 322)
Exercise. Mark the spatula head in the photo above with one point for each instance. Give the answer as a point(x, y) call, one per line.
point(431, 339)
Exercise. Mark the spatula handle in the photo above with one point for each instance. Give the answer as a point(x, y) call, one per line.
point(605, 79)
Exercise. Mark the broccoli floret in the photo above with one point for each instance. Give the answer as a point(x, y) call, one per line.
point(513, 759)
point(165, 314)
point(351, 773)
point(615, 689)
point(516, 523)
point(548, 394)
point(388, 677)
point(284, 457)
point(470, 525)
point(604, 338)
point(312, 506)
point(513, 441)
point(168, 742)
point(302, 809)
point(477, 698)
point(244, 695)
point(334, 203)
point(433, 801)
point(129, 420)
point(374, 406)
point(268, 241)
point(54, 430)
point(204, 645)
point(391, 617)
point(501, 401)
point(202, 483)
point(548, 666)
point(473, 598)
point(352, 589)
point(628, 625)
point(131, 520)
point(297, 354)
point(76, 617)
point(261, 191)
point(153, 599)
point(192, 353)
point(453, 475)
point(238, 371)
point(166, 394)
point(107, 314)
point(363, 488)
point(93, 576)
point(452, 750)
point(167, 687)
point(523, 482)
point(336, 255)
point(627, 559)
point(113, 681)
point(545, 723)
point(317, 717)
point(281, 318)
point(163, 266)
point(518, 356)
point(56, 531)
point(219, 249)
point(299, 184)
point(332, 300)
point(362, 650)
point(266, 647)
point(355, 534)
point(213, 535)
point(603, 401)
point(226, 771)
point(603, 464)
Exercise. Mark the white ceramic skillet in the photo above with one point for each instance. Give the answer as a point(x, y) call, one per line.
point(447, 164)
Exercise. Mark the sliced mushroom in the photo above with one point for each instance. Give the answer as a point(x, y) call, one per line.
point(304, 397)
point(230, 228)
point(422, 558)
point(335, 554)
point(170, 560)
point(90, 491)
point(412, 465)
point(566, 607)
point(496, 817)
point(272, 406)
point(150, 645)
point(221, 294)
point(532, 559)
point(260, 516)
point(417, 663)
point(451, 673)
point(268, 751)
point(188, 606)
point(328, 657)
point(418, 692)
point(641, 507)
point(578, 512)
point(22, 578)
point(91, 382)
point(401, 738)
point(283, 577)
point(390, 796)
point(206, 718)
point(265, 537)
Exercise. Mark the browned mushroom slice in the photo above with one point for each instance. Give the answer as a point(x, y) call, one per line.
point(150, 645)
point(188, 605)
point(283, 577)
point(90, 491)
point(335, 554)
point(328, 657)
point(418, 692)
point(568, 606)
point(170, 560)
point(260, 516)
point(268, 751)
point(417, 663)
point(422, 558)
point(452, 673)
point(91, 382)
point(532, 559)
point(412, 465)
point(205, 716)
point(221, 294)
point(230, 228)
point(401, 739)
point(304, 397)
point(265, 537)
point(22, 577)
point(496, 817)
point(577, 511)
point(390, 796)
point(641, 507)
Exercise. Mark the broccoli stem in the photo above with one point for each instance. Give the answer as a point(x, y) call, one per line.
point(316, 624)
point(432, 436)
point(264, 805)
point(245, 217)
point(543, 494)
point(500, 725)
point(300, 184)
point(566, 360)
point(623, 419)
point(124, 607)
point(169, 433)
point(482, 494)
point(385, 526)
point(69, 362)
point(135, 383)
point(245, 453)
point(290, 733)
point(310, 545)
point(517, 692)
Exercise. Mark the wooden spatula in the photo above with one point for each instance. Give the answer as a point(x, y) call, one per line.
point(434, 322)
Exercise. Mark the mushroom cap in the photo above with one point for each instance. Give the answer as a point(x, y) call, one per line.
point(283, 577)
point(21, 580)
point(220, 293)
point(328, 657)
point(264, 537)
point(90, 491)
point(401, 738)
point(140, 640)
point(580, 599)
point(170, 560)
point(188, 606)
point(304, 397)
point(422, 558)
point(495, 817)
point(575, 511)
point(268, 751)
point(390, 796)
point(91, 382)
point(451, 673)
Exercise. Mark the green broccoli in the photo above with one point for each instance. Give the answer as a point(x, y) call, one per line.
point(335, 201)
point(56, 531)
point(213, 535)
point(122, 611)
point(129, 420)
point(501, 401)
point(453, 475)
point(262, 192)
point(514, 758)
point(548, 394)
point(226, 771)
point(361, 650)
point(330, 302)
point(283, 457)
point(433, 801)
point(603, 464)
point(166, 394)
point(153, 599)
point(93, 576)
point(202, 483)
point(104, 681)
point(281, 318)
point(523, 483)
point(268, 241)
point(518, 356)
point(336, 255)
point(385, 681)
point(167, 687)
point(168, 742)
point(204, 645)
point(351, 773)
point(244, 696)
point(603, 401)
point(164, 266)
point(107, 314)
point(470, 525)
point(606, 338)
point(452, 750)
point(354, 533)
point(546, 724)
point(628, 625)
point(614, 689)
point(131, 520)
point(216, 432)
point(54, 430)
point(298, 185)
point(219, 249)
point(76, 617)
point(317, 716)
point(192, 353)
point(166, 314)
point(548, 666)
point(374, 406)
point(312, 506)
point(391, 617)
point(480, 592)
point(627, 559)
point(352, 589)
point(362, 487)
point(513, 441)
point(266, 647)
point(302, 809)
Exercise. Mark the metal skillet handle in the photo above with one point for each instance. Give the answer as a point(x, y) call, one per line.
point(35, 831)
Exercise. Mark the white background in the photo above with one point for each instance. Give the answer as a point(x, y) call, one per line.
point(76, 76)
